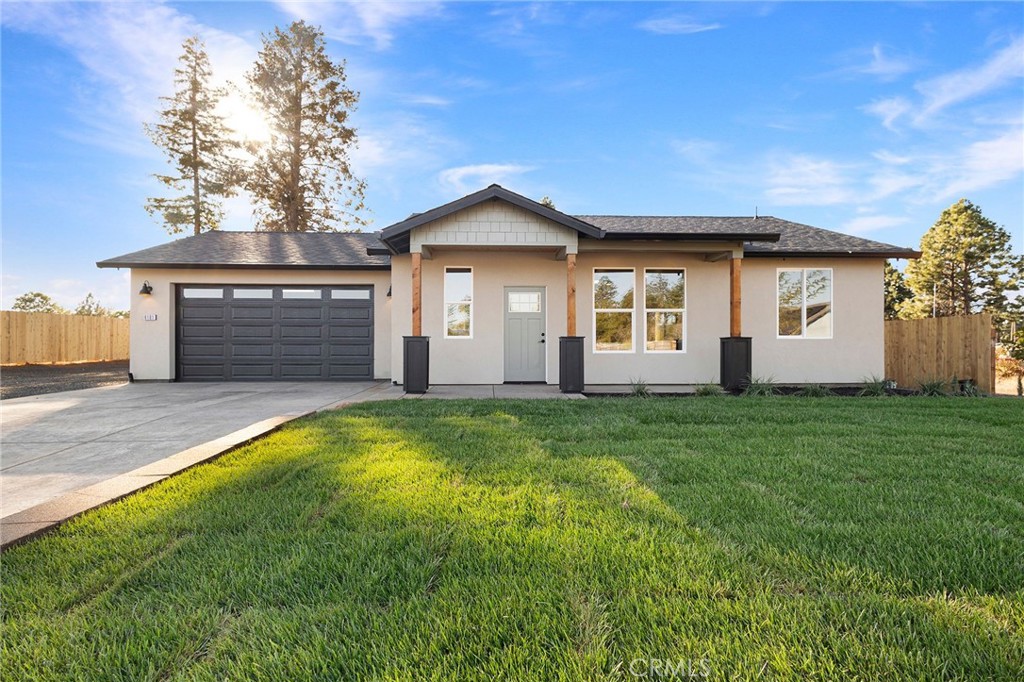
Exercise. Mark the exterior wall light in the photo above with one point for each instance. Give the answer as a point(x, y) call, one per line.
point(146, 289)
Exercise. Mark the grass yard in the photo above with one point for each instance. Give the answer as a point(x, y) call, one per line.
point(554, 540)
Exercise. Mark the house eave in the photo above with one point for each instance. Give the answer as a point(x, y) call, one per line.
point(901, 253)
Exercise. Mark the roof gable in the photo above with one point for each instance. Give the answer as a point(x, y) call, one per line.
point(397, 236)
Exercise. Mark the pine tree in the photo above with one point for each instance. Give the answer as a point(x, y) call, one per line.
point(302, 178)
point(897, 293)
point(966, 265)
point(198, 144)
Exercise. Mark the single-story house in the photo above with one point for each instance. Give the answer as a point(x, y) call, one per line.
point(495, 287)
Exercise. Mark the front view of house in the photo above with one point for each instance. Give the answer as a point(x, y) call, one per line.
point(496, 288)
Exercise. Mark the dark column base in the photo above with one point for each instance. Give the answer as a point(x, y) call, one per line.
point(735, 367)
point(416, 364)
point(570, 364)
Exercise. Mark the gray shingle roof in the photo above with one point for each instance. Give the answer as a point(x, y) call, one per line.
point(311, 250)
point(767, 236)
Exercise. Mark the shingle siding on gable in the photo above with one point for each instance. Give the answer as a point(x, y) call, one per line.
point(495, 223)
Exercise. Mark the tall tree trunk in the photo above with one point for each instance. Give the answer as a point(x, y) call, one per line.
point(295, 162)
point(196, 197)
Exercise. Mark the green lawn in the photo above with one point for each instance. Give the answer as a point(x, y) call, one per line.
point(740, 538)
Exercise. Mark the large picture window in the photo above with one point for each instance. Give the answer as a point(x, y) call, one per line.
point(665, 310)
point(458, 303)
point(613, 310)
point(805, 303)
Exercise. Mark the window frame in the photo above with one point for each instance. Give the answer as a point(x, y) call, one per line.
point(595, 310)
point(803, 304)
point(686, 291)
point(470, 303)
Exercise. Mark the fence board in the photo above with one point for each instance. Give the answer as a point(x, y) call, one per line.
point(49, 338)
point(941, 348)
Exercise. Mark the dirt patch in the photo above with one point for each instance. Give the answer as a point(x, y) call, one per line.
point(25, 380)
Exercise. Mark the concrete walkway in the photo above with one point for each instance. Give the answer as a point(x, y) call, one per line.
point(71, 451)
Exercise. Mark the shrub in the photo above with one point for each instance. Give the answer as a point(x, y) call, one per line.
point(761, 386)
point(815, 391)
point(638, 388)
point(968, 389)
point(932, 387)
point(708, 390)
point(874, 387)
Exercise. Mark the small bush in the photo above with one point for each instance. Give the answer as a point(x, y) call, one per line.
point(761, 386)
point(874, 387)
point(932, 387)
point(708, 390)
point(968, 389)
point(815, 391)
point(638, 388)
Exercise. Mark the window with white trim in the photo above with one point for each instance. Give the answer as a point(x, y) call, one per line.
point(458, 303)
point(805, 303)
point(613, 310)
point(665, 310)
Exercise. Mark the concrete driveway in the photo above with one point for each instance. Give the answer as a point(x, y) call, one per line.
point(58, 443)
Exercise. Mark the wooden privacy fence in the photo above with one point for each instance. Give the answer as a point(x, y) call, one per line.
point(941, 348)
point(49, 337)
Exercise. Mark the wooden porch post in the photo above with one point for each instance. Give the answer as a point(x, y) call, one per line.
point(570, 295)
point(417, 294)
point(735, 317)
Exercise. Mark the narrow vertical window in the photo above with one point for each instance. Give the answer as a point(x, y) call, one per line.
point(805, 303)
point(458, 303)
point(665, 310)
point(613, 310)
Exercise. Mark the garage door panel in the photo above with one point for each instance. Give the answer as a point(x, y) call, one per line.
point(296, 350)
point(192, 371)
point(288, 313)
point(202, 312)
point(264, 350)
point(252, 313)
point(350, 351)
point(292, 370)
point(197, 332)
point(339, 332)
point(260, 333)
point(203, 350)
point(252, 331)
point(339, 371)
point(350, 314)
point(251, 371)
point(305, 332)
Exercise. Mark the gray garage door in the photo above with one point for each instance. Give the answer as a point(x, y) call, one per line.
point(268, 333)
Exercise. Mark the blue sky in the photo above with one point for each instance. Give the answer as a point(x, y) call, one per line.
point(867, 118)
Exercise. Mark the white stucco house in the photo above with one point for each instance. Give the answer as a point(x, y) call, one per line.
point(495, 287)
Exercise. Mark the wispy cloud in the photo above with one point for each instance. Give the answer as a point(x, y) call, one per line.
point(676, 25)
point(877, 61)
point(872, 223)
point(889, 110)
point(983, 164)
point(359, 22)
point(464, 179)
point(1004, 67)
point(804, 180)
point(427, 100)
